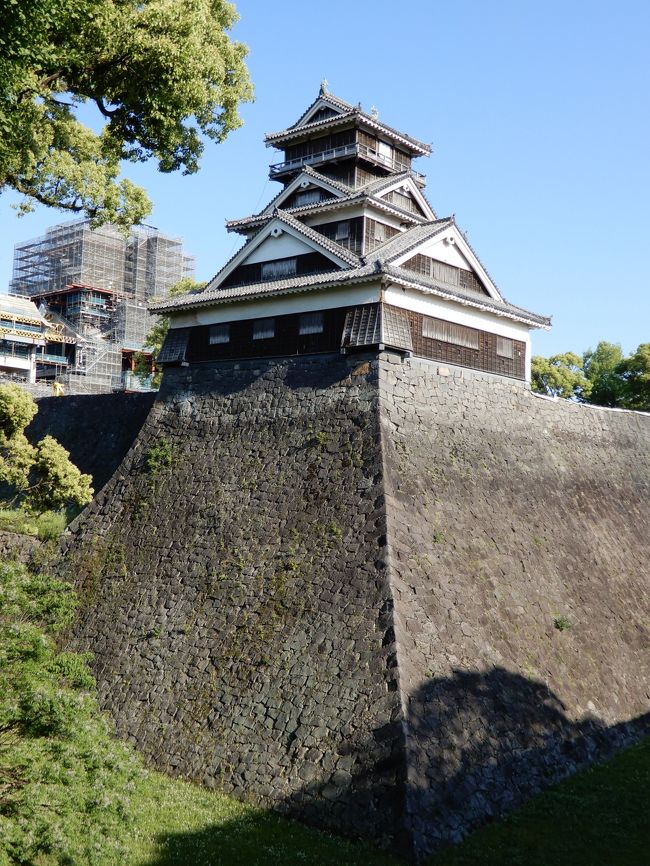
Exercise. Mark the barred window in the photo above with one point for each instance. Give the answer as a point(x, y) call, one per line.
point(446, 332)
point(343, 230)
point(311, 323)
point(310, 196)
point(278, 269)
point(505, 347)
point(219, 334)
point(263, 329)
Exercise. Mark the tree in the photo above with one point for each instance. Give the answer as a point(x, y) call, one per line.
point(601, 367)
point(635, 374)
point(560, 376)
point(41, 477)
point(66, 783)
point(157, 333)
point(161, 73)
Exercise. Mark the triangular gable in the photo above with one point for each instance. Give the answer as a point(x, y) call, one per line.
point(305, 180)
point(449, 247)
point(409, 188)
point(279, 238)
point(324, 102)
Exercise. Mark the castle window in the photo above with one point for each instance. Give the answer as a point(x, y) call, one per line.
point(343, 231)
point(505, 348)
point(311, 323)
point(219, 334)
point(310, 196)
point(278, 269)
point(263, 329)
point(447, 332)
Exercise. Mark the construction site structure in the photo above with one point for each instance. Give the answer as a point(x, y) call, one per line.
point(93, 287)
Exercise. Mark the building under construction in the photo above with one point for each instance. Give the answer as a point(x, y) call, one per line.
point(94, 285)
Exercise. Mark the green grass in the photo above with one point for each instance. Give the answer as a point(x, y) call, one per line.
point(47, 526)
point(600, 817)
point(176, 823)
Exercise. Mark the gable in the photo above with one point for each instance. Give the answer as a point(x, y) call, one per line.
point(448, 247)
point(405, 194)
point(404, 200)
point(281, 238)
point(322, 109)
point(305, 183)
point(278, 248)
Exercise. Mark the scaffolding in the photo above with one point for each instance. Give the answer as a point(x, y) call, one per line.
point(96, 282)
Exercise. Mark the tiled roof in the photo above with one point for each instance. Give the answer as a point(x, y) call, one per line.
point(483, 302)
point(402, 243)
point(330, 245)
point(208, 296)
point(342, 252)
point(372, 270)
point(308, 171)
point(330, 204)
point(274, 138)
point(334, 101)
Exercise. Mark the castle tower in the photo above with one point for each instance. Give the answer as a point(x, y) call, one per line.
point(329, 574)
point(348, 256)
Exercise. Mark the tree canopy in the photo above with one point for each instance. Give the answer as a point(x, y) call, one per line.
point(41, 477)
point(161, 74)
point(602, 376)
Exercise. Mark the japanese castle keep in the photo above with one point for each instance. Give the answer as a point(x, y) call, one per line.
point(329, 573)
point(348, 256)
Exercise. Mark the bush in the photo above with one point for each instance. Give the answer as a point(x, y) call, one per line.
point(65, 781)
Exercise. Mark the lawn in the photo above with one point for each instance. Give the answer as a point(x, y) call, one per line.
point(600, 817)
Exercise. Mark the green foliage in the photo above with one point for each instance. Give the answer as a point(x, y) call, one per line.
point(562, 623)
point(48, 525)
point(42, 477)
point(157, 333)
point(160, 456)
point(160, 73)
point(64, 781)
point(635, 374)
point(601, 368)
point(560, 376)
point(604, 376)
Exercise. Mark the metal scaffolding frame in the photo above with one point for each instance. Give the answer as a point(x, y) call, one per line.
point(98, 282)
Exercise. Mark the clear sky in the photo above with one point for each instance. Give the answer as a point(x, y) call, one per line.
point(539, 119)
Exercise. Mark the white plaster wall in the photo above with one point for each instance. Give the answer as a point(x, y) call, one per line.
point(278, 248)
point(299, 303)
point(428, 305)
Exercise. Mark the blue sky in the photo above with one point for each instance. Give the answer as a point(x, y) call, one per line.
point(539, 119)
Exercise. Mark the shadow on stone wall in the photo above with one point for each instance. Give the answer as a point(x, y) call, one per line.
point(480, 745)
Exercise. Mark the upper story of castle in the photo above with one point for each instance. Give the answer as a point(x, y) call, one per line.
point(344, 143)
point(350, 255)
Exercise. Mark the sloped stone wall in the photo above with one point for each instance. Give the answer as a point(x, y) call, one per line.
point(236, 595)
point(97, 429)
point(390, 598)
point(520, 551)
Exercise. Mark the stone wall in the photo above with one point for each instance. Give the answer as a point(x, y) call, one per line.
point(97, 429)
point(518, 534)
point(236, 595)
point(388, 598)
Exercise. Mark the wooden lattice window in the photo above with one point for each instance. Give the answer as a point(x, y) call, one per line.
point(448, 332)
point(263, 329)
point(311, 323)
point(278, 269)
point(505, 347)
point(219, 334)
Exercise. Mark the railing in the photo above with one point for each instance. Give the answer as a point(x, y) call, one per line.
point(340, 152)
point(52, 359)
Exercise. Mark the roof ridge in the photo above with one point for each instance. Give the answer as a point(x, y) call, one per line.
point(338, 250)
point(331, 204)
point(458, 294)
